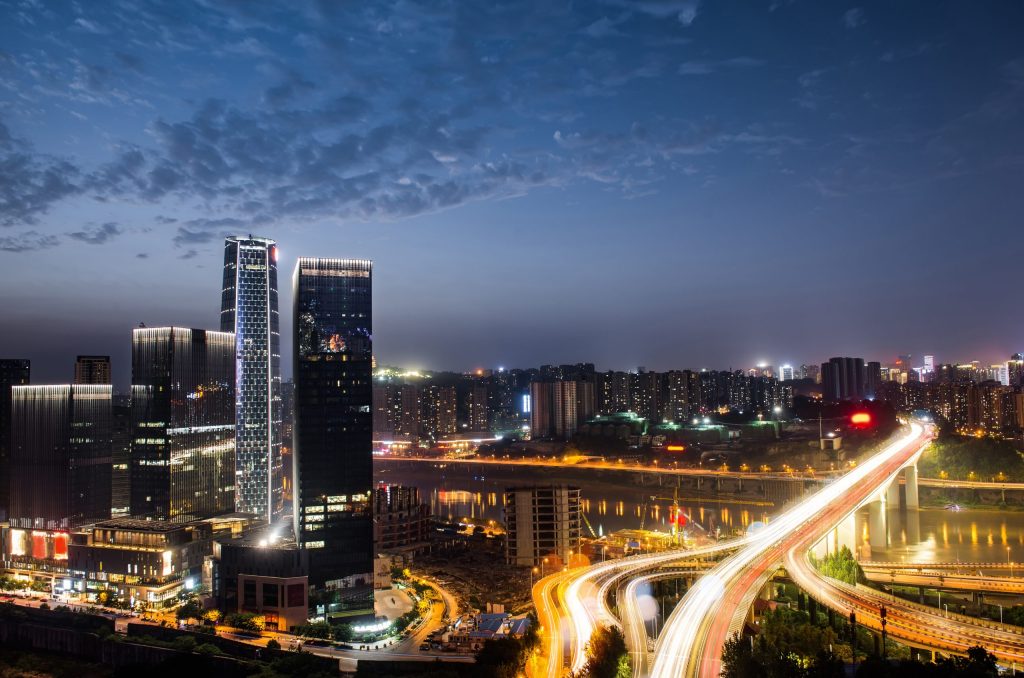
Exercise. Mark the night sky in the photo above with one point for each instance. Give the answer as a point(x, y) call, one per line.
point(667, 183)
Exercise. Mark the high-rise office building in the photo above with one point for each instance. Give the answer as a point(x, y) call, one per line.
point(121, 455)
point(872, 379)
point(786, 373)
point(13, 372)
point(1014, 369)
point(183, 423)
point(843, 379)
point(92, 369)
point(60, 456)
point(929, 363)
point(249, 310)
point(333, 438)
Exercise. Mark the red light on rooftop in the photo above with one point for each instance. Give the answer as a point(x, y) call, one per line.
point(860, 418)
point(675, 448)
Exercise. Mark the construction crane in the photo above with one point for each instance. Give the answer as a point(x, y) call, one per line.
point(675, 512)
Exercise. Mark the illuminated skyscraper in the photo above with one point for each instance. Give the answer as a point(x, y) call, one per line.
point(60, 456)
point(13, 372)
point(92, 369)
point(183, 423)
point(249, 309)
point(333, 436)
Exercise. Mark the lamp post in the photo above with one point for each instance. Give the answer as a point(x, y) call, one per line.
point(533, 573)
point(1008, 562)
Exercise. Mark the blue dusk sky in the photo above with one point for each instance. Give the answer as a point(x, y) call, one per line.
point(667, 183)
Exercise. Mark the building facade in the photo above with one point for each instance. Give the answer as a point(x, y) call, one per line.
point(13, 372)
point(401, 520)
point(541, 521)
point(92, 369)
point(60, 456)
point(333, 438)
point(249, 309)
point(183, 423)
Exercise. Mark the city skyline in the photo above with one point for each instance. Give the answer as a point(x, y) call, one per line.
point(638, 183)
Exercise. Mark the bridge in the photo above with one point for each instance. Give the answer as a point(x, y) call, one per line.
point(717, 605)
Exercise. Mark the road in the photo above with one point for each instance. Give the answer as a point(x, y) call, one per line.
point(944, 579)
point(910, 623)
point(615, 466)
point(572, 603)
point(716, 606)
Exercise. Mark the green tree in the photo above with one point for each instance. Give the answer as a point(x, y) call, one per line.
point(606, 654)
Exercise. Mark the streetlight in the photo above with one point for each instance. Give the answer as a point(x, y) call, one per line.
point(533, 573)
point(1008, 561)
point(1000, 615)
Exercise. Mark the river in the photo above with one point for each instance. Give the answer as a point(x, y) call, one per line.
point(928, 535)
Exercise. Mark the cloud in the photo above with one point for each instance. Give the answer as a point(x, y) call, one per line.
point(191, 254)
point(89, 26)
point(683, 10)
point(605, 27)
point(185, 237)
point(99, 235)
point(706, 67)
point(27, 242)
point(142, 255)
point(32, 182)
point(853, 18)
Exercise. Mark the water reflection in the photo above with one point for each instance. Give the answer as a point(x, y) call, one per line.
point(935, 535)
point(458, 492)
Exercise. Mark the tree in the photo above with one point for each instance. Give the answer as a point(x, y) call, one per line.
point(192, 609)
point(343, 632)
point(273, 645)
point(606, 654)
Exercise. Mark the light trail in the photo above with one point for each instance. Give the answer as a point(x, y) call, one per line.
point(714, 608)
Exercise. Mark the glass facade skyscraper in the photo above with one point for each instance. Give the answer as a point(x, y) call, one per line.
point(183, 423)
point(333, 437)
point(13, 372)
point(60, 455)
point(249, 309)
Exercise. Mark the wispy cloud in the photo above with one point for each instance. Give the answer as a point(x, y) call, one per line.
point(98, 235)
point(854, 18)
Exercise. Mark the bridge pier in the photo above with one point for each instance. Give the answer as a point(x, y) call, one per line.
point(892, 494)
point(877, 537)
point(910, 487)
point(845, 534)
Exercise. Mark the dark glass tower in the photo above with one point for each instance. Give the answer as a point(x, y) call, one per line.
point(60, 456)
point(183, 423)
point(249, 309)
point(13, 372)
point(333, 425)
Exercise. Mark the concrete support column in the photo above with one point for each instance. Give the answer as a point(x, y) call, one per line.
point(892, 494)
point(876, 525)
point(910, 476)
point(846, 534)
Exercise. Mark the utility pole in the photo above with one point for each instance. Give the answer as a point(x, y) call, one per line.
point(882, 613)
point(853, 639)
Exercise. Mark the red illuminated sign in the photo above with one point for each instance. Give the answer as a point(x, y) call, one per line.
point(860, 418)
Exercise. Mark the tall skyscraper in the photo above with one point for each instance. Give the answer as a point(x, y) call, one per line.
point(843, 379)
point(786, 373)
point(60, 456)
point(249, 309)
point(121, 455)
point(183, 423)
point(92, 369)
point(333, 438)
point(13, 372)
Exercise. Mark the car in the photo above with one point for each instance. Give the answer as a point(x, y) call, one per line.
point(424, 647)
